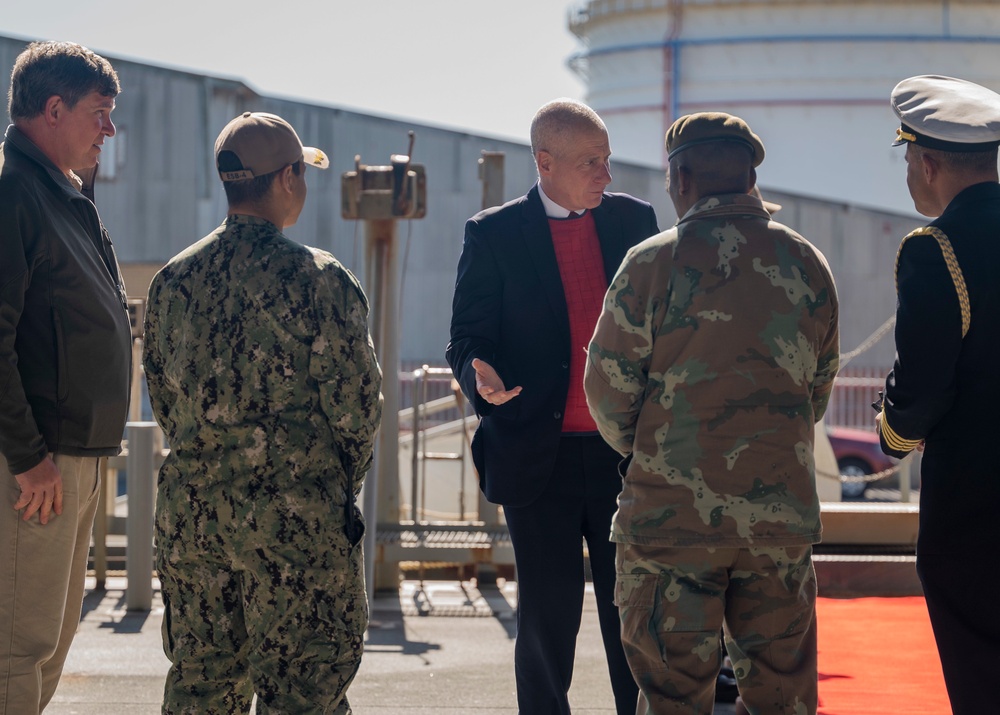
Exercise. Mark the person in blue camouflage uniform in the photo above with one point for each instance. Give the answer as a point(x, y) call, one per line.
point(712, 360)
point(942, 393)
point(262, 373)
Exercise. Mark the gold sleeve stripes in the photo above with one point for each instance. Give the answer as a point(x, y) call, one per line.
point(893, 440)
point(953, 269)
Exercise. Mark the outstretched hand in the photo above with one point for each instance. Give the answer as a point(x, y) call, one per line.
point(489, 385)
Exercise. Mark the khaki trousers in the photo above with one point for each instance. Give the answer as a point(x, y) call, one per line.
point(42, 573)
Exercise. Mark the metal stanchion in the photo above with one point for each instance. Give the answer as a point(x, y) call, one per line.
point(101, 528)
point(139, 526)
point(416, 429)
point(908, 469)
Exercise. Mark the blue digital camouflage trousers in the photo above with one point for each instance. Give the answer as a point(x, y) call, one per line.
point(674, 602)
point(263, 594)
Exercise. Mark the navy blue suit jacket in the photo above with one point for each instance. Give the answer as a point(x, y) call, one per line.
point(510, 310)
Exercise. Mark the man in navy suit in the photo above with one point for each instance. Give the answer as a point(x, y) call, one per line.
point(531, 284)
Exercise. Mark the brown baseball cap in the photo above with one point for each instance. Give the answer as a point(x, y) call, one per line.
point(704, 127)
point(263, 143)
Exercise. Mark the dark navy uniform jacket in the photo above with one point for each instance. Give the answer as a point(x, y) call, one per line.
point(944, 388)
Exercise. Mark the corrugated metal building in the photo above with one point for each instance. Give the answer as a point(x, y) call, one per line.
point(158, 192)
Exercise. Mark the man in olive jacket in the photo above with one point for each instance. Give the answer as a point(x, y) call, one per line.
point(65, 352)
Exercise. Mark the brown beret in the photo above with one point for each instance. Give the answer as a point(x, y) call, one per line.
point(704, 127)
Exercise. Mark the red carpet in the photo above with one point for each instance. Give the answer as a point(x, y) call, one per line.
point(877, 657)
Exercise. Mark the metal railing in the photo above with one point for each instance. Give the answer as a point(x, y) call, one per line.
point(422, 408)
point(141, 457)
point(474, 533)
point(854, 390)
point(477, 533)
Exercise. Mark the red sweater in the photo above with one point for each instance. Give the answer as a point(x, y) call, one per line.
point(581, 267)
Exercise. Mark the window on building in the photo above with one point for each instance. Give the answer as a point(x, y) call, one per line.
point(113, 155)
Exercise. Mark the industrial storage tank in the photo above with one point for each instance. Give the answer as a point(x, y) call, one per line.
point(812, 77)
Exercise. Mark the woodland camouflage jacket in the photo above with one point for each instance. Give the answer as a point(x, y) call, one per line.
point(712, 360)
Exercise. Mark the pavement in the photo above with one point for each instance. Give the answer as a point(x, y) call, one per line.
point(434, 647)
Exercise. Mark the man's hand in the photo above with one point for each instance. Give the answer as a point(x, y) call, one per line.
point(489, 385)
point(41, 491)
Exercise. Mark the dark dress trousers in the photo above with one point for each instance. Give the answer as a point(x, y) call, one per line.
point(510, 311)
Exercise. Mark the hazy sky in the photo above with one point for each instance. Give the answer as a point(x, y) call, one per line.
point(466, 64)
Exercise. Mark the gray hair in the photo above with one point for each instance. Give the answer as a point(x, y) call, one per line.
point(963, 161)
point(560, 118)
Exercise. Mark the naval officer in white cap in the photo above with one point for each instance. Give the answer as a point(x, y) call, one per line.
point(943, 393)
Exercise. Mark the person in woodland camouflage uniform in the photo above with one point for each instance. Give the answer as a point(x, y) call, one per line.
point(263, 376)
point(712, 360)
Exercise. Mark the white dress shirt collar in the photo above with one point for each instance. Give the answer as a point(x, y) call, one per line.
point(554, 210)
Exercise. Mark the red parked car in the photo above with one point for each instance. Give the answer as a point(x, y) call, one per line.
point(858, 453)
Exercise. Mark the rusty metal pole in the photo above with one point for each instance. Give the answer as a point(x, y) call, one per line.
point(381, 196)
point(381, 499)
point(491, 173)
